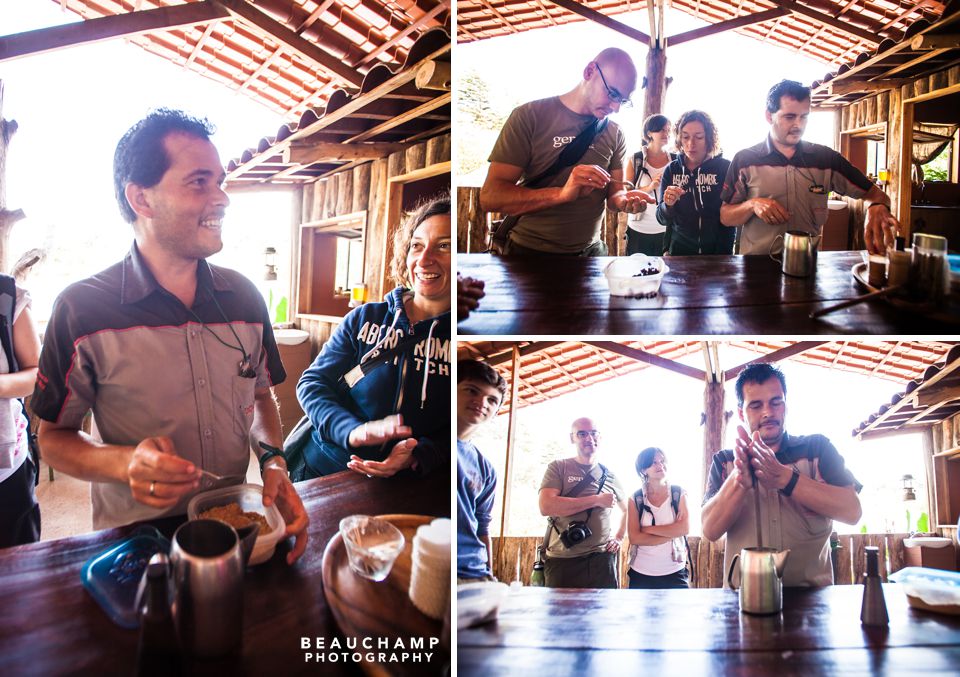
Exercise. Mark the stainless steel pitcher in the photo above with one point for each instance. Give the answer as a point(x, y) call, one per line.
point(799, 255)
point(761, 579)
point(207, 559)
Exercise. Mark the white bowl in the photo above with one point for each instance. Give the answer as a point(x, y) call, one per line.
point(250, 498)
point(927, 542)
point(624, 279)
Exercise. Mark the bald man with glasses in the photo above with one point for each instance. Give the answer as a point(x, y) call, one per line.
point(577, 496)
point(561, 209)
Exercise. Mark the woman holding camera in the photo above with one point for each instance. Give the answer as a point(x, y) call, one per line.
point(657, 523)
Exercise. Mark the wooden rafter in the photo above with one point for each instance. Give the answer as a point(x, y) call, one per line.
point(571, 378)
point(728, 25)
point(198, 48)
point(650, 358)
point(314, 15)
point(398, 120)
point(357, 103)
point(603, 20)
point(797, 348)
point(820, 17)
point(503, 19)
point(309, 153)
point(109, 27)
point(262, 68)
point(528, 349)
point(301, 46)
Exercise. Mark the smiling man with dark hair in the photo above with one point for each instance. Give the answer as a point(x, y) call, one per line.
point(174, 357)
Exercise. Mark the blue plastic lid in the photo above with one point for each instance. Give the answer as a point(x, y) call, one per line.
point(113, 576)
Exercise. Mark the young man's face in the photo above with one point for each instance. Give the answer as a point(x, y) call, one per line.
point(764, 409)
point(185, 209)
point(789, 122)
point(477, 402)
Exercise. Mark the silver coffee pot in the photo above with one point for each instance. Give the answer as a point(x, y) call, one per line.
point(761, 579)
point(798, 258)
point(207, 560)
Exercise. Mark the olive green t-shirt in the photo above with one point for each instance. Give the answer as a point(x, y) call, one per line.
point(532, 138)
point(566, 474)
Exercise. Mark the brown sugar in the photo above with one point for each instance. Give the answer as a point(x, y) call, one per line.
point(234, 516)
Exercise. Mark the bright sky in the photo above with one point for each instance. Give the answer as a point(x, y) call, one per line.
point(72, 106)
point(655, 407)
point(727, 75)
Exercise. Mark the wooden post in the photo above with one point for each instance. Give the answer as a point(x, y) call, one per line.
point(906, 164)
point(656, 92)
point(933, 518)
point(507, 482)
point(7, 217)
point(714, 423)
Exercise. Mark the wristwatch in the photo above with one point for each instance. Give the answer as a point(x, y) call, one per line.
point(787, 490)
point(268, 453)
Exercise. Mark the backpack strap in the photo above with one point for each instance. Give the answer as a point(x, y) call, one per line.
point(8, 304)
point(642, 505)
point(675, 492)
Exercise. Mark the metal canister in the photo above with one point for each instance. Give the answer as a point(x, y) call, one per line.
point(929, 272)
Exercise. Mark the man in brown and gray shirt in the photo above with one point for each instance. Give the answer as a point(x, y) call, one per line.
point(174, 357)
point(782, 183)
point(802, 485)
point(564, 215)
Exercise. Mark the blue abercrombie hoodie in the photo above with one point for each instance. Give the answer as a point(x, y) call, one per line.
point(693, 223)
point(415, 384)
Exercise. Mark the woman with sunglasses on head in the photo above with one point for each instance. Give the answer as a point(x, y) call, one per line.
point(657, 523)
point(644, 232)
point(689, 200)
point(378, 394)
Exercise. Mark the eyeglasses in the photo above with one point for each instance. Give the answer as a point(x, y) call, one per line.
point(584, 434)
point(614, 95)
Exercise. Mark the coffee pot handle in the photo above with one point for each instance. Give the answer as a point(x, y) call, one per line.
point(773, 246)
point(733, 564)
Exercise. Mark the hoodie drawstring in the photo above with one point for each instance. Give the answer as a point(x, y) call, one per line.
point(426, 369)
point(383, 337)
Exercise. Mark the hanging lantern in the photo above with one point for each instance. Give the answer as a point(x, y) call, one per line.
point(907, 485)
point(269, 264)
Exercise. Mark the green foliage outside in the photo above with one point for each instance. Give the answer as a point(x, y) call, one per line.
point(478, 122)
point(923, 523)
point(938, 169)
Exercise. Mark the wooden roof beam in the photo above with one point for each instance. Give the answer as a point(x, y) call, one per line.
point(108, 27)
point(839, 24)
point(650, 358)
point(925, 56)
point(306, 49)
point(316, 14)
point(416, 25)
point(198, 48)
point(411, 114)
point(603, 20)
point(790, 351)
point(728, 25)
point(308, 153)
point(528, 349)
point(855, 86)
point(921, 42)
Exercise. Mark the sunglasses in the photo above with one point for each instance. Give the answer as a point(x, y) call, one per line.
point(615, 96)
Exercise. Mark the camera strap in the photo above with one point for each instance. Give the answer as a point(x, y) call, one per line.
point(574, 493)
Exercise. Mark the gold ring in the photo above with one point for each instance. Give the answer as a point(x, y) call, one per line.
point(153, 487)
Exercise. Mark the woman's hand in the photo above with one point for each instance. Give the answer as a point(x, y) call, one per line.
point(400, 458)
point(373, 433)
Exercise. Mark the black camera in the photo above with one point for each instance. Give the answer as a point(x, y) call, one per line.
point(576, 532)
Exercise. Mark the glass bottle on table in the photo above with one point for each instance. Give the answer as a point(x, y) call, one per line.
point(537, 579)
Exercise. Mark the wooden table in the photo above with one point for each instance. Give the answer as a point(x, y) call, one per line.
point(702, 632)
point(50, 625)
point(700, 295)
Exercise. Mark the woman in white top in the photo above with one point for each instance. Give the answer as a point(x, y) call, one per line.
point(644, 232)
point(658, 522)
point(19, 512)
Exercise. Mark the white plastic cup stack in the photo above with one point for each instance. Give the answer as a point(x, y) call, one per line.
point(430, 573)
